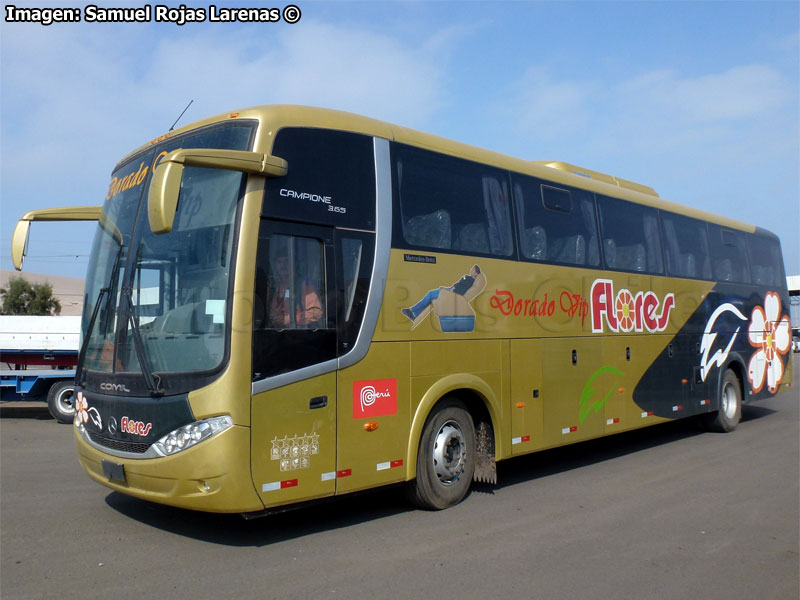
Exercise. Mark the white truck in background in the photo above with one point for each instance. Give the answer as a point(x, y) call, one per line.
point(50, 345)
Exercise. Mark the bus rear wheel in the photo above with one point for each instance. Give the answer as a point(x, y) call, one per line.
point(61, 401)
point(730, 405)
point(446, 458)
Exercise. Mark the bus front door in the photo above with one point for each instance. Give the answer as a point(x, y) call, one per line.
point(293, 426)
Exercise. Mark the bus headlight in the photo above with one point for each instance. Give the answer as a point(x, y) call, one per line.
point(192, 434)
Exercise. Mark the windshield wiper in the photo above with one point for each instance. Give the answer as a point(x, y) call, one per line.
point(152, 380)
point(85, 344)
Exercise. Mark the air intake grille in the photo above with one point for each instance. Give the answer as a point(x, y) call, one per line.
point(119, 445)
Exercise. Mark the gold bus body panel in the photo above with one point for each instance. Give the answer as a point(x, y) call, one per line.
point(212, 476)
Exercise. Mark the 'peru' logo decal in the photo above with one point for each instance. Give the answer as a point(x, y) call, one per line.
point(626, 311)
point(374, 398)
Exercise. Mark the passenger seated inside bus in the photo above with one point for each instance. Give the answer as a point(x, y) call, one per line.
point(308, 310)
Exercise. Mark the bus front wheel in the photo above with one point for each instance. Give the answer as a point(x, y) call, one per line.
point(730, 405)
point(446, 458)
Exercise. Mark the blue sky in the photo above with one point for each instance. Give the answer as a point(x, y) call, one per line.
point(700, 100)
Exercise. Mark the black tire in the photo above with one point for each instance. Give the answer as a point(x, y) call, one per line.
point(446, 458)
point(730, 405)
point(61, 401)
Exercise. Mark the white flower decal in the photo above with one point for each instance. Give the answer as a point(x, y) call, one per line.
point(81, 410)
point(769, 332)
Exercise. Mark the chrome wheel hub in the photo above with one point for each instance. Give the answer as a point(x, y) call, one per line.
point(449, 453)
point(729, 401)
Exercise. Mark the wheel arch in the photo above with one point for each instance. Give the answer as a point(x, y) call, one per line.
point(736, 364)
point(478, 398)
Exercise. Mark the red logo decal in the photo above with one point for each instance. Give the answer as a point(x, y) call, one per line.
point(374, 398)
point(626, 311)
point(134, 427)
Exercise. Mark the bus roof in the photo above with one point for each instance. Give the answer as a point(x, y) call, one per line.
point(272, 118)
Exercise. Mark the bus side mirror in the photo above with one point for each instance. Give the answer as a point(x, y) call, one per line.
point(19, 241)
point(165, 185)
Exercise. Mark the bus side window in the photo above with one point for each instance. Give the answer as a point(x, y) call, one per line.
point(728, 254)
point(355, 250)
point(631, 239)
point(451, 204)
point(685, 246)
point(765, 260)
point(557, 224)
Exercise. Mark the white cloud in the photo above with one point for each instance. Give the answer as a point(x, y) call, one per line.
point(76, 99)
point(549, 107)
point(739, 93)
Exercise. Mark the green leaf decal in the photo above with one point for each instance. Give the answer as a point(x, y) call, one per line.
point(588, 391)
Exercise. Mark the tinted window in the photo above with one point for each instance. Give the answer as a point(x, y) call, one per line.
point(294, 323)
point(355, 251)
point(765, 260)
point(331, 178)
point(451, 204)
point(728, 254)
point(556, 224)
point(631, 240)
point(685, 246)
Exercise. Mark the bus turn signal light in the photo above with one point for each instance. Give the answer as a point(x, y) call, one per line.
point(370, 426)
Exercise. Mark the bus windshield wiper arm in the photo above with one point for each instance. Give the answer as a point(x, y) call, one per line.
point(152, 380)
point(85, 344)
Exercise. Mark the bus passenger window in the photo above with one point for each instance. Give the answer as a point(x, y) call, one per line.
point(451, 204)
point(728, 254)
point(685, 246)
point(557, 224)
point(765, 260)
point(631, 240)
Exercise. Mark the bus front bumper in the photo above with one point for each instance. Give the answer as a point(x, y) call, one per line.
point(213, 476)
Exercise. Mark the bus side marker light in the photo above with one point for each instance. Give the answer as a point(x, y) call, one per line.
point(520, 405)
point(677, 408)
point(234, 115)
point(612, 421)
point(370, 426)
point(389, 465)
point(521, 440)
point(705, 402)
point(684, 381)
point(278, 485)
point(649, 413)
point(567, 430)
point(621, 390)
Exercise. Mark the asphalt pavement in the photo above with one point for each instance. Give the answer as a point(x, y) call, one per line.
point(666, 512)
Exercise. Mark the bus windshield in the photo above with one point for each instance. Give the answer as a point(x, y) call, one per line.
point(167, 293)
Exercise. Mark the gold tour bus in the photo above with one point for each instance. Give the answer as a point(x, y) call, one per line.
point(285, 304)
